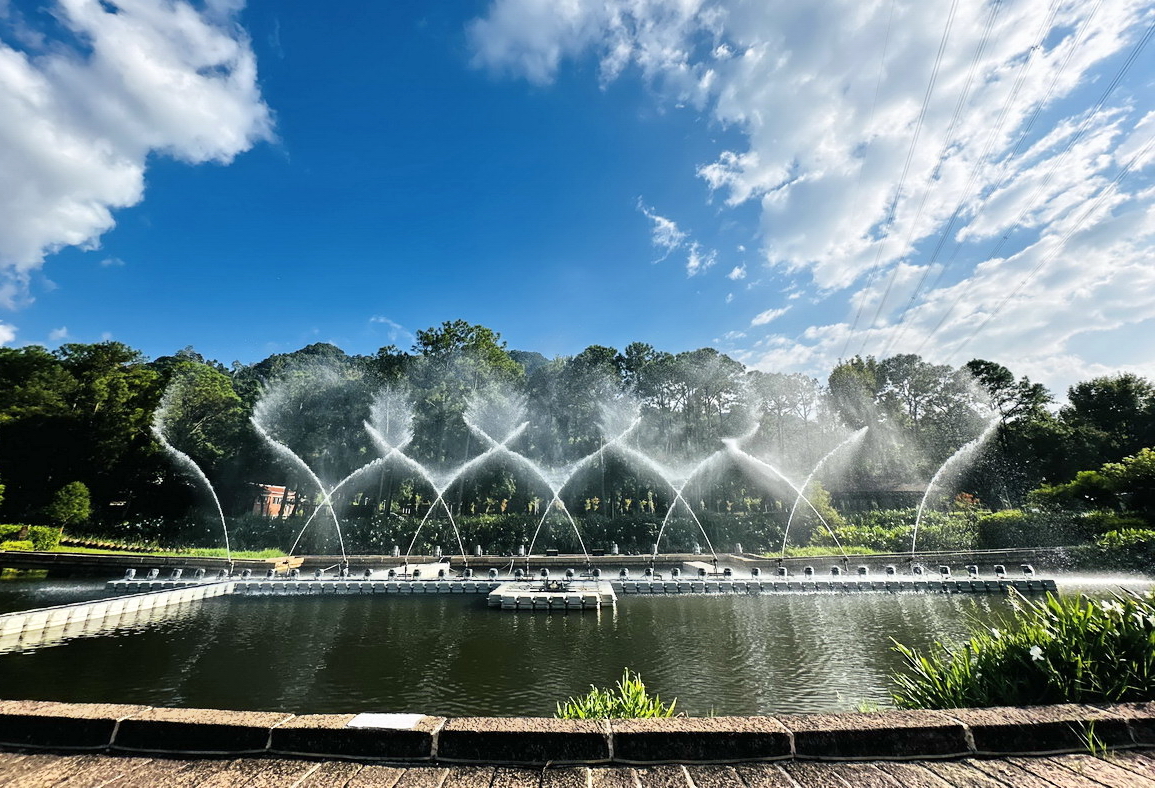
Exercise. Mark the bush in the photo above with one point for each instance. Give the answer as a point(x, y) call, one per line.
point(1055, 650)
point(892, 531)
point(16, 544)
point(1128, 549)
point(39, 536)
point(628, 699)
point(1019, 528)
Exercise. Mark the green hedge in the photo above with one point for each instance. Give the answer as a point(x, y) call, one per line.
point(16, 544)
point(38, 537)
point(892, 531)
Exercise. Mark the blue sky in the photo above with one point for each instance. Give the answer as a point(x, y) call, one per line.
point(772, 179)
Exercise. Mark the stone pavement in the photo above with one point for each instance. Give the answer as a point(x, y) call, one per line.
point(45, 770)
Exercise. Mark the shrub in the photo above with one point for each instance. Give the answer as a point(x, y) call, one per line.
point(39, 536)
point(1055, 650)
point(892, 530)
point(629, 699)
point(16, 544)
point(1130, 548)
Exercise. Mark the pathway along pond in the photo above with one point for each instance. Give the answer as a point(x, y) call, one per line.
point(453, 656)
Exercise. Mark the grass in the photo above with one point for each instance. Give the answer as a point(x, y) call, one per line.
point(629, 699)
point(810, 551)
point(191, 552)
point(1054, 650)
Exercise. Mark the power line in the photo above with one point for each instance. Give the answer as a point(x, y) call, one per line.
point(913, 145)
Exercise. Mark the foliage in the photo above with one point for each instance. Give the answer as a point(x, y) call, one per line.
point(1056, 650)
point(1129, 549)
point(70, 506)
point(38, 536)
point(17, 544)
point(628, 699)
point(1039, 528)
point(892, 531)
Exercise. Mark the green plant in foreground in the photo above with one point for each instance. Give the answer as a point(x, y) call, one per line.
point(628, 699)
point(1054, 650)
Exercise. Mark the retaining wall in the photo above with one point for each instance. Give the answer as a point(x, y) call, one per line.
point(415, 738)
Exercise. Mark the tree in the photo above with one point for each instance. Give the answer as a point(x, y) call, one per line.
point(1112, 416)
point(70, 505)
point(1012, 399)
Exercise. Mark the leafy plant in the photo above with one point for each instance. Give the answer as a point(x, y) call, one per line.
point(1054, 650)
point(629, 699)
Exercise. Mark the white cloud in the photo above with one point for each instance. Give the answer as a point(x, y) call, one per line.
point(396, 331)
point(738, 272)
point(80, 116)
point(1009, 182)
point(762, 318)
point(699, 260)
point(58, 334)
point(665, 234)
point(112, 262)
point(7, 333)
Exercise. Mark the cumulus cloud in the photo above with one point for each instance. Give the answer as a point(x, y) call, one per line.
point(910, 167)
point(81, 114)
point(58, 334)
point(7, 333)
point(762, 318)
point(738, 272)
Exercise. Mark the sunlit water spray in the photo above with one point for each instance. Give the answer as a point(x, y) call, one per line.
point(965, 454)
point(190, 465)
point(766, 470)
point(855, 439)
point(293, 458)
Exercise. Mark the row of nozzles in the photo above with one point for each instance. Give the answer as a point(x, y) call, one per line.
point(890, 570)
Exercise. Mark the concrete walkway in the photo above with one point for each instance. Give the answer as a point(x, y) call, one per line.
point(43, 770)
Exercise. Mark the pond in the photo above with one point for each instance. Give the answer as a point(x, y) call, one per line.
point(452, 655)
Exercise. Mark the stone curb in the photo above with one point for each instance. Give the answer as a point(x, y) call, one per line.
point(889, 735)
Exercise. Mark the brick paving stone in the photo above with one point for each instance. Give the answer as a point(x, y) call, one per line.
point(516, 777)
point(331, 774)
point(613, 777)
point(668, 776)
point(240, 771)
point(150, 773)
point(713, 776)
point(814, 775)
point(864, 775)
point(56, 770)
point(1143, 762)
point(281, 773)
point(913, 775)
point(1056, 775)
point(1011, 774)
point(194, 773)
point(375, 776)
point(565, 777)
point(469, 777)
point(422, 777)
point(963, 775)
point(12, 773)
point(103, 771)
point(1102, 771)
point(764, 775)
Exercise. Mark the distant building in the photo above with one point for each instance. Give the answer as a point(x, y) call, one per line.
point(273, 500)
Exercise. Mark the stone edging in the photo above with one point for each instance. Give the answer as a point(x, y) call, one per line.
point(897, 735)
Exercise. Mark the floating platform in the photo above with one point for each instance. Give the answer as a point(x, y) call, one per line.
point(519, 588)
point(573, 595)
point(826, 585)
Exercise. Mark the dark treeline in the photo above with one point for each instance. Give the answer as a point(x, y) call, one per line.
point(84, 412)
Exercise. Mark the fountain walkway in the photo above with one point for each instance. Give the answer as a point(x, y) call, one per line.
point(1076, 771)
point(91, 744)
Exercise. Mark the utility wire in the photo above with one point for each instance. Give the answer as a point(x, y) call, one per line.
point(910, 152)
point(1135, 52)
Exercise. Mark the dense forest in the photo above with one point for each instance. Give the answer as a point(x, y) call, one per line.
point(85, 417)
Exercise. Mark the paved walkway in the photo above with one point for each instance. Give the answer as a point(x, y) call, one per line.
point(41, 770)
